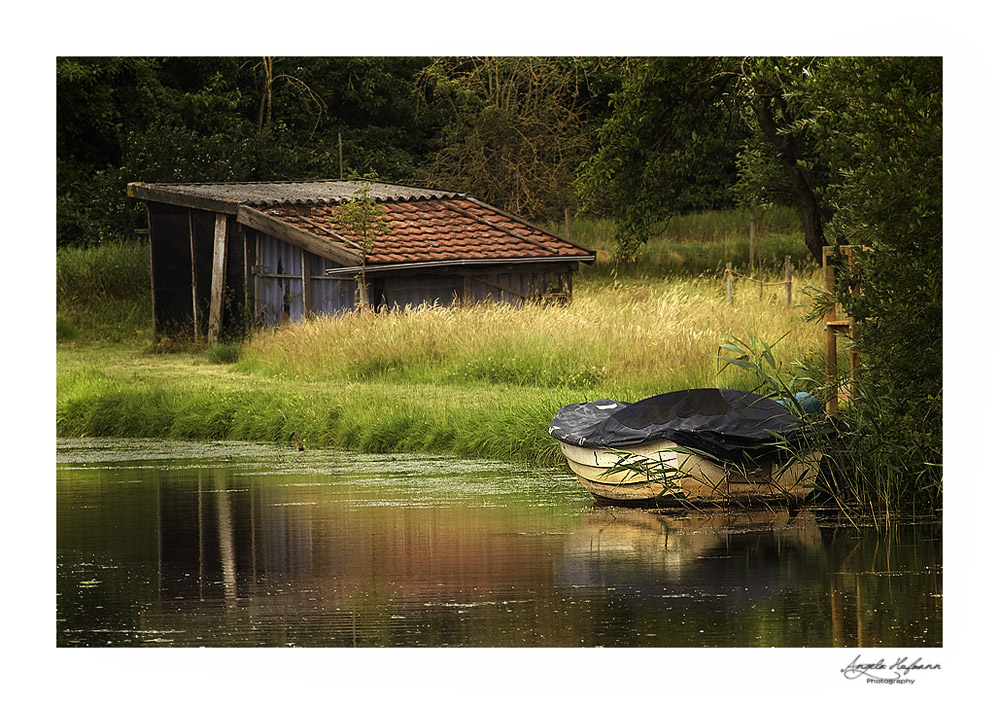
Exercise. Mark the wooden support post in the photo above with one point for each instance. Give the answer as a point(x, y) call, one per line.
point(855, 358)
point(832, 404)
point(218, 279)
point(837, 323)
point(258, 313)
point(788, 279)
point(729, 282)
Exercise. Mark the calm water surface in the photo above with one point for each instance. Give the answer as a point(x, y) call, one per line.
point(226, 544)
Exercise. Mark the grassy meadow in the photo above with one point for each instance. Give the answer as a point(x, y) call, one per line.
point(479, 381)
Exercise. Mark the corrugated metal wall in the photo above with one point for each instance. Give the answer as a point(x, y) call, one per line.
point(328, 295)
point(279, 284)
point(279, 281)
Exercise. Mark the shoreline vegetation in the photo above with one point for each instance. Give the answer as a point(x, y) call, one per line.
point(481, 381)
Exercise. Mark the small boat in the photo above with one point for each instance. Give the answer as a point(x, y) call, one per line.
point(699, 445)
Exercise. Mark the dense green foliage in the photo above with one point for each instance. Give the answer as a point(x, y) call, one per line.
point(695, 132)
point(224, 119)
point(511, 131)
point(668, 146)
point(880, 121)
point(514, 131)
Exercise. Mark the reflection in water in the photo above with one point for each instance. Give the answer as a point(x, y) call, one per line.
point(226, 547)
point(229, 544)
point(660, 550)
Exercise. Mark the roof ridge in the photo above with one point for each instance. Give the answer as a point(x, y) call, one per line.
point(292, 192)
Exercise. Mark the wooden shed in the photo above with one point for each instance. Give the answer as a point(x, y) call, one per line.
point(226, 257)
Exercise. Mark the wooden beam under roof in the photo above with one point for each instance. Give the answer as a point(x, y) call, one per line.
point(150, 192)
point(269, 225)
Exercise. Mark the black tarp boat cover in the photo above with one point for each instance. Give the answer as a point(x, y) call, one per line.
point(726, 424)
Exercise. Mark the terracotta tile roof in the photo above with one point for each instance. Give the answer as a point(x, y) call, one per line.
point(436, 230)
point(426, 226)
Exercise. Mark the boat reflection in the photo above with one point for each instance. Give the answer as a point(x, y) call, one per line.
point(742, 553)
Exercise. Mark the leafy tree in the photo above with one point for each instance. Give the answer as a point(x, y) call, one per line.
point(757, 171)
point(513, 133)
point(96, 99)
point(673, 140)
point(880, 122)
point(668, 146)
point(855, 143)
point(769, 91)
point(361, 220)
point(371, 111)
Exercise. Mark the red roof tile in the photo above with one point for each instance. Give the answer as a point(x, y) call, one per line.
point(438, 230)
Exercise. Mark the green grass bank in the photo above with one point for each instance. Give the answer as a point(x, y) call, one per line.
point(481, 381)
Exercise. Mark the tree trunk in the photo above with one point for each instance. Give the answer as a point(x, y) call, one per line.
point(812, 223)
point(802, 184)
point(264, 113)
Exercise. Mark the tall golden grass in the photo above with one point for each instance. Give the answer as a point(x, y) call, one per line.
point(629, 338)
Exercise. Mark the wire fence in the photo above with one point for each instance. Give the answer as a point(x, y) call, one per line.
point(732, 274)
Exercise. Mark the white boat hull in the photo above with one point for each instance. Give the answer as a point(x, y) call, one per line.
point(658, 470)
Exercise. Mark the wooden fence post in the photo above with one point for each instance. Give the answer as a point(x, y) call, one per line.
point(729, 282)
point(788, 279)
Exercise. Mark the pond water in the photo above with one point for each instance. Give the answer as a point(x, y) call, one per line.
point(227, 544)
